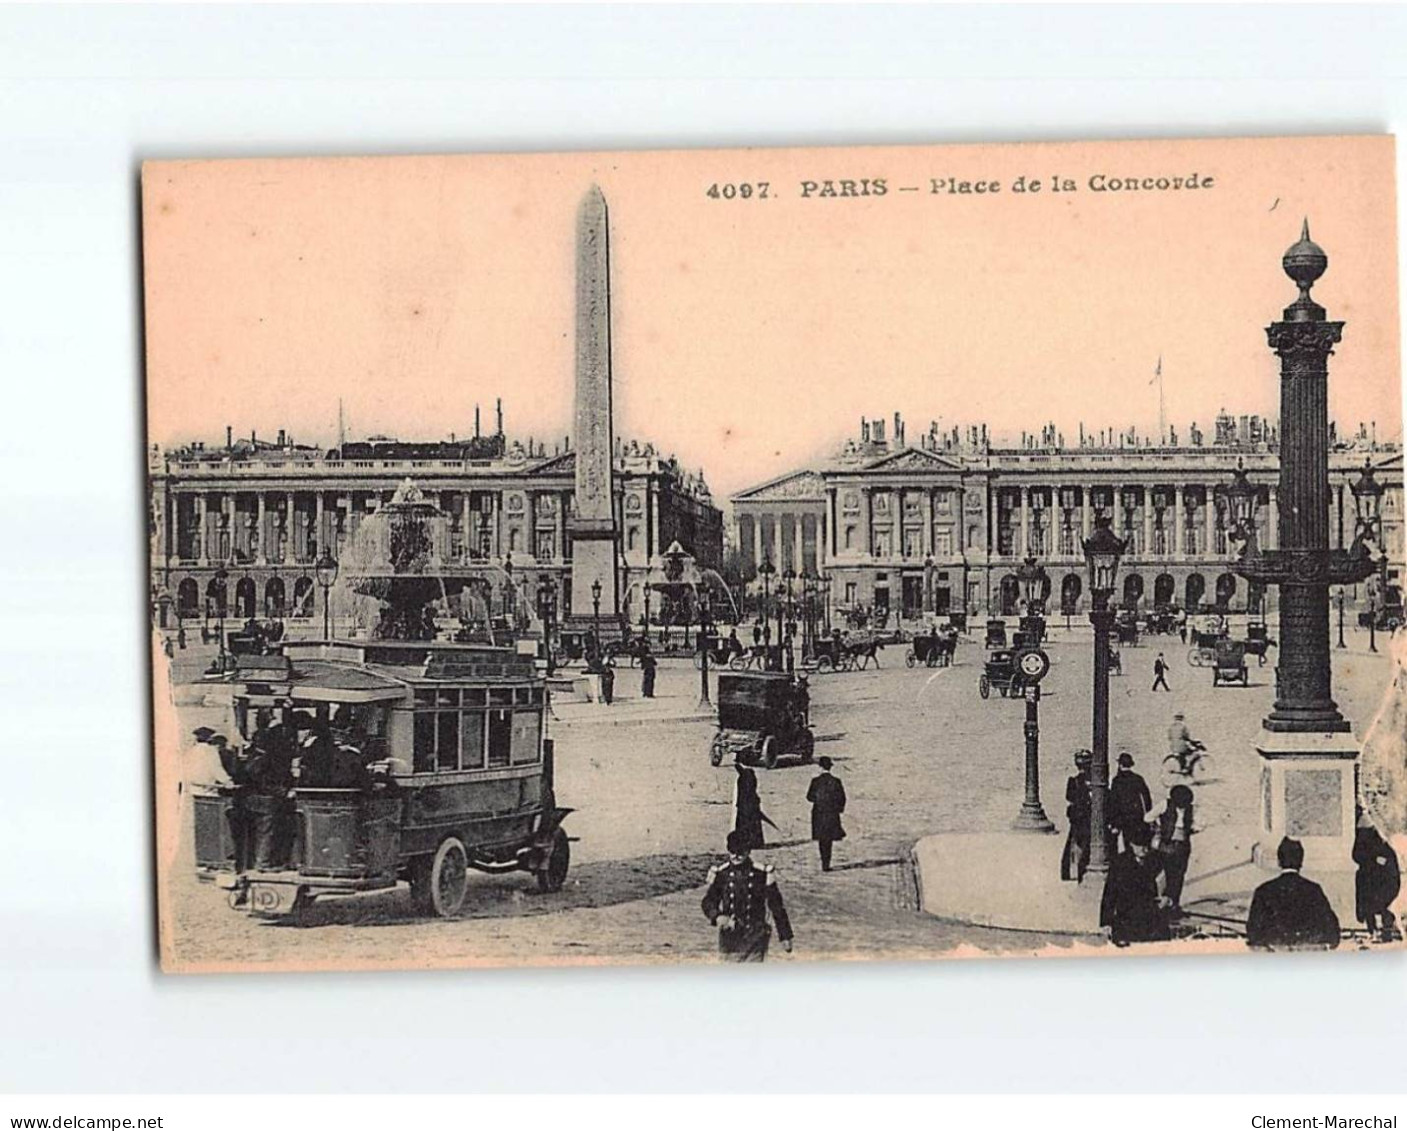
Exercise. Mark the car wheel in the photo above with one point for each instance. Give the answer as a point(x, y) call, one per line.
point(769, 752)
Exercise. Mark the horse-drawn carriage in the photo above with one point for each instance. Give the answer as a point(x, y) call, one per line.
point(934, 649)
point(1205, 634)
point(1258, 641)
point(762, 717)
point(1002, 673)
point(844, 654)
point(1229, 663)
point(1126, 628)
point(1162, 621)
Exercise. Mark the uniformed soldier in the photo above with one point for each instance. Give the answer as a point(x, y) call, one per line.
point(740, 895)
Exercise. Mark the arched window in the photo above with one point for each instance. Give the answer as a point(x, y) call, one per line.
point(245, 598)
point(1225, 590)
point(303, 597)
point(274, 597)
point(1070, 589)
point(188, 598)
point(1164, 589)
point(1133, 590)
point(1196, 589)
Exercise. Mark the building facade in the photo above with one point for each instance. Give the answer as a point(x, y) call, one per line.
point(264, 513)
point(944, 525)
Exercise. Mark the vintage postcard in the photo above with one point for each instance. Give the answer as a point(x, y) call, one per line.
point(863, 554)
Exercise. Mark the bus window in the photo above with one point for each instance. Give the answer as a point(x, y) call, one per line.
point(447, 750)
point(471, 740)
point(500, 738)
point(527, 729)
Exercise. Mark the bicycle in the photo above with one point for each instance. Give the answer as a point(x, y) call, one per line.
point(1196, 766)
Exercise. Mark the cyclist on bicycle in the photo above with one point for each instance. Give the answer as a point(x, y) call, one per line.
point(1181, 744)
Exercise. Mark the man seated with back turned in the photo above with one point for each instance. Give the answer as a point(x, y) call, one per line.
point(1290, 912)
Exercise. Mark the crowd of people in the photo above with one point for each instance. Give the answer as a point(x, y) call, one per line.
point(1151, 851)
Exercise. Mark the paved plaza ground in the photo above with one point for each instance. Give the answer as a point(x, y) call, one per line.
point(919, 752)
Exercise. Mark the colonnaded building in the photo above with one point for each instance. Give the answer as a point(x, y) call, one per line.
point(943, 526)
point(264, 512)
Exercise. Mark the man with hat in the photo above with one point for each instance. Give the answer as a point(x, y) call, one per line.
point(1181, 744)
point(739, 897)
point(1129, 800)
point(827, 796)
point(1131, 907)
point(1075, 858)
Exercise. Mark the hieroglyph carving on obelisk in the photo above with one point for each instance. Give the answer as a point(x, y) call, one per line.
point(593, 527)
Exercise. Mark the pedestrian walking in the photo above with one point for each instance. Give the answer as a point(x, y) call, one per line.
point(608, 683)
point(1377, 882)
point(739, 900)
point(1160, 674)
point(1129, 800)
point(1075, 858)
point(1290, 912)
point(648, 665)
point(1131, 908)
point(756, 634)
point(747, 806)
point(827, 796)
point(1173, 839)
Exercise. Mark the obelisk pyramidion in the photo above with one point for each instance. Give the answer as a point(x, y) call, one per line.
point(593, 528)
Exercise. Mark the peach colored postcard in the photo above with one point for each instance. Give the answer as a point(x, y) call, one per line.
point(796, 554)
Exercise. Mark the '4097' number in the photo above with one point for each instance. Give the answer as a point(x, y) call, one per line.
point(743, 191)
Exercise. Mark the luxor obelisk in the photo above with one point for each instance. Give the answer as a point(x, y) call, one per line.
point(593, 526)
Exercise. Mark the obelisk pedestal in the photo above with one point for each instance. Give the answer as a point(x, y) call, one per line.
point(593, 526)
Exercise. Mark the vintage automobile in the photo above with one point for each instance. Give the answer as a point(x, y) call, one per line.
point(996, 634)
point(1001, 672)
point(762, 717)
point(1126, 628)
point(454, 773)
point(1229, 665)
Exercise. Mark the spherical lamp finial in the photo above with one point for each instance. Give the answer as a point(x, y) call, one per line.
point(1304, 262)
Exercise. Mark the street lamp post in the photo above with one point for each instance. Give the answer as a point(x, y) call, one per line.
point(1034, 664)
point(1341, 644)
point(1102, 549)
point(705, 624)
point(326, 572)
point(1367, 501)
point(222, 581)
point(546, 602)
point(1031, 577)
point(786, 615)
point(596, 618)
point(765, 571)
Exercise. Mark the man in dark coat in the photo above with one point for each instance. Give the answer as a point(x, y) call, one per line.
point(1160, 673)
point(1075, 858)
point(1131, 907)
point(1129, 800)
point(647, 674)
point(740, 895)
point(747, 807)
point(1378, 881)
point(1290, 912)
point(827, 796)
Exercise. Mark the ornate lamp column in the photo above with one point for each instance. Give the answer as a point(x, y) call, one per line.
point(1308, 754)
point(1103, 549)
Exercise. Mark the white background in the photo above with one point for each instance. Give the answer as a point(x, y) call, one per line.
point(85, 95)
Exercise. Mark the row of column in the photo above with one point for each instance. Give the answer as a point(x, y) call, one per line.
point(775, 552)
point(1180, 527)
point(898, 524)
point(333, 527)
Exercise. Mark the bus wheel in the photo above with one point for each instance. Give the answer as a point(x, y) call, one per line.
point(440, 883)
point(553, 875)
